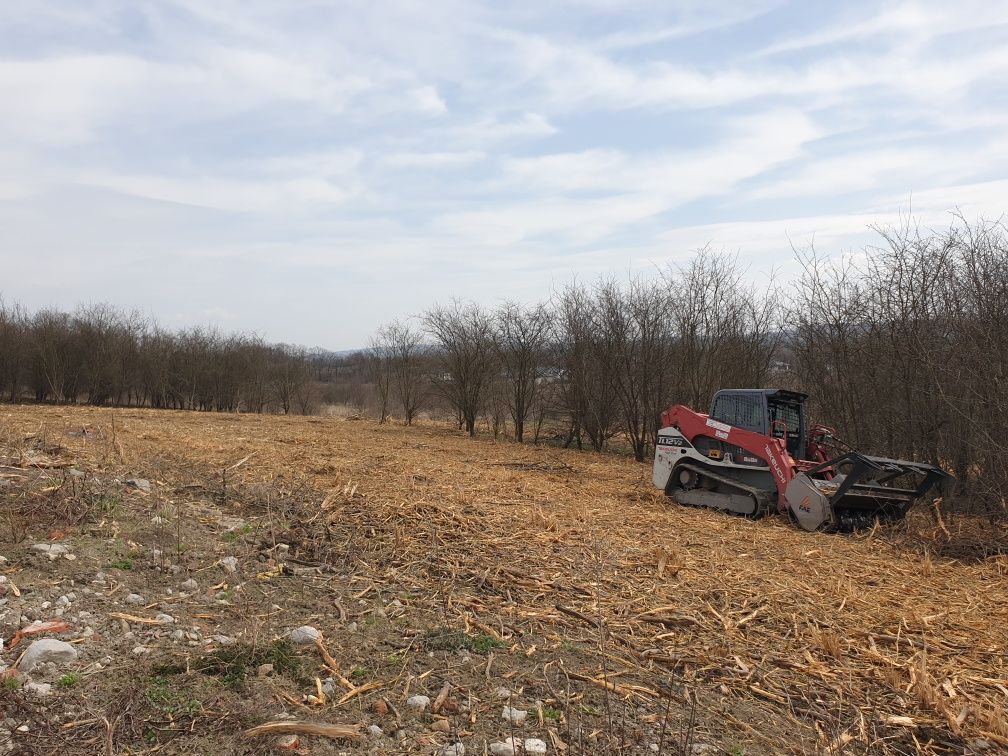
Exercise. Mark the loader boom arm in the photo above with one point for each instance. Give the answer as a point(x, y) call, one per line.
point(771, 450)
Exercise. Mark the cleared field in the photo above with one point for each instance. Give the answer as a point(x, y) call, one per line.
point(433, 563)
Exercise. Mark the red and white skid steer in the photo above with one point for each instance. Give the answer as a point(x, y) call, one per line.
point(753, 454)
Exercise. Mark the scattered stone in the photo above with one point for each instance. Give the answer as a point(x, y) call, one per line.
point(135, 599)
point(51, 550)
point(375, 731)
point(352, 627)
point(514, 716)
point(190, 585)
point(165, 619)
point(264, 670)
point(702, 748)
point(441, 725)
point(140, 651)
point(63, 601)
point(229, 564)
point(47, 651)
point(224, 640)
point(508, 747)
point(535, 747)
point(502, 693)
point(418, 703)
point(453, 749)
point(288, 742)
point(304, 635)
point(140, 484)
point(37, 689)
point(73, 472)
point(178, 635)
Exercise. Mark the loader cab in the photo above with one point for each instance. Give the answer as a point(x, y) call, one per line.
point(769, 412)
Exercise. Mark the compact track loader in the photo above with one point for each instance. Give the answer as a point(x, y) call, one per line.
point(754, 454)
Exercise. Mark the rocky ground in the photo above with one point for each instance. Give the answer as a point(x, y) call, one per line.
point(184, 583)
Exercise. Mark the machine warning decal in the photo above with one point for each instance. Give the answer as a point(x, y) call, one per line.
point(712, 423)
point(673, 441)
point(721, 434)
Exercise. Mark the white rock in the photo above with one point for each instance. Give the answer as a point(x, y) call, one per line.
point(53, 550)
point(135, 599)
point(454, 749)
point(375, 731)
point(418, 703)
point(508, 747)
point(514, 716)
point(502, 693)
point(306, 634)
point(535, 747)
point(141, 484)
point(229, 564)
point(47, 650)
point(37, 689)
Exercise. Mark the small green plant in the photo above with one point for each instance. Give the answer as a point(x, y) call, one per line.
point(68, 680)
point(481, 644)
point(231, 536)
point(108, 505)
point(358, 673)
point(122, 564)
point(10, 682)
point(165, 697)
point(232, 664)
point(737, 750)
point(567, 647)
point(395, 659)
point(446, 639)
point(550, 713)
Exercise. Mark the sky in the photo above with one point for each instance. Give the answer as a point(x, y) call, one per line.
point(310, 170)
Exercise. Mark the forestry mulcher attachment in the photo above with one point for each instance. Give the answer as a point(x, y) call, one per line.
point(753, 454)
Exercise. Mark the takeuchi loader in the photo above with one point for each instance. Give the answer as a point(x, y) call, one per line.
point(754, 454)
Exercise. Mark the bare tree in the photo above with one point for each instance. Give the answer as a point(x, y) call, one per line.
point(521, 340)
point(406, 352)
point(464, 362)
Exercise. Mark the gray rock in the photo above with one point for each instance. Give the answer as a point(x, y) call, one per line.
point(304, 635)
point(178, 635)
point(224, 640)
point(502, 694)
point(140, 650)
point(135, 599)
point(507, 747)
point(375, 731)
point(37, 689)
point(264, 670)
point(514, 716)
point(165, 619)
point(47, 650)
point(229, 564)
point(190, 585)
point(51, 550)
point(535, 747)
point(418, 703)
point(453, 749)
point(140, 484)
point(63, 601)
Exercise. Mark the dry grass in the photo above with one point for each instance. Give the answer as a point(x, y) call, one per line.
point(785, 641)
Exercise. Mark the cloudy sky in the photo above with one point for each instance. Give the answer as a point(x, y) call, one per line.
point(307, 170)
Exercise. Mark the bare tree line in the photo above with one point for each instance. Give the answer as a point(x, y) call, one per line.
point(100, 355)
point(902, 347)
